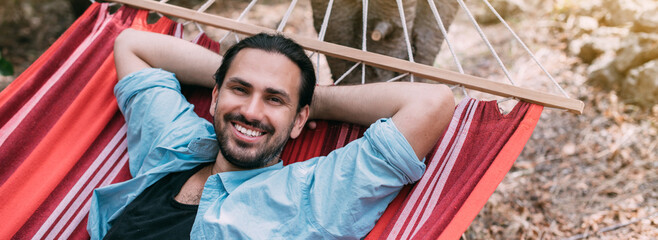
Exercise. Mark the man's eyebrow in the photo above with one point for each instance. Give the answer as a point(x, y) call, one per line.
point(281, 93)
point(240, 81)
point(269, 90)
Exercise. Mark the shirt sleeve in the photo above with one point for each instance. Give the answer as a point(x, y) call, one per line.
point(352, 186)
point(159, 119)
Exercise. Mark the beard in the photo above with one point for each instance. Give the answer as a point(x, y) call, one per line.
point(247, 155)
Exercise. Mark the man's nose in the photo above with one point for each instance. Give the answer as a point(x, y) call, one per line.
point(252, 109)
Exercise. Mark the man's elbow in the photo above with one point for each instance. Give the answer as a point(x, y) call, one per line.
point(440, 106)
point(122, 41)
point(439, 100)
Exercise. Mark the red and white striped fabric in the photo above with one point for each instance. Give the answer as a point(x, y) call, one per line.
point(61, 136)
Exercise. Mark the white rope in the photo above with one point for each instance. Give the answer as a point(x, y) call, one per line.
point(317, 68)
point(397, 77)
point(109, 4)
point(406, 33)
point(203, 8)
point(447, 39)
point(486, 41)
point(285, 17)
point(162, 1)
point(445, 35)
point(244, 12)
point(504, 99)
point(323, 31)
point(325, 21)
point(198, 26)
point(363, 38)
point(460, 86)
point(346, 73)
point(525, 47)
point(224, 37)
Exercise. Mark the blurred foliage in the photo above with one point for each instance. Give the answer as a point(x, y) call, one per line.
point(6, 69)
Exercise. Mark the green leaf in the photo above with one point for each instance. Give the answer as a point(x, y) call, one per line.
point(6, 69)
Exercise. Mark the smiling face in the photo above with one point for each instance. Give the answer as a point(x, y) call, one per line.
point(255, 109)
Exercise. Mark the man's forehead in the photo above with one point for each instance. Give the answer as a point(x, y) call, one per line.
point(269, 69)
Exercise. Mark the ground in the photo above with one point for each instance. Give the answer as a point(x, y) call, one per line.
point(592, 175)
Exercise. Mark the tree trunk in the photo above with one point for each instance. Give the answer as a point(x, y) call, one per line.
point(384, 33)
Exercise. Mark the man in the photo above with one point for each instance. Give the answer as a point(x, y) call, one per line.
point(225, 180)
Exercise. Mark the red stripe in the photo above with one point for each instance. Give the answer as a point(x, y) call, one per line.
point(21, 146)
point(484, 142)
point(479, 195)
point(43, 212)
point(31, 130)
point(20, 183)
point(60, 149)
point(81, 213)
point(420, 189)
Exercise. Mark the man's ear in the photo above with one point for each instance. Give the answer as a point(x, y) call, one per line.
point(300, 120)
point(213, 102)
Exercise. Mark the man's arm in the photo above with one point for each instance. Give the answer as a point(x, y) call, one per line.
point(135, 50)
point(420, 111)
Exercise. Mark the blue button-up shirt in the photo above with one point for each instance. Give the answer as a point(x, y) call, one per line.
point(336, 196)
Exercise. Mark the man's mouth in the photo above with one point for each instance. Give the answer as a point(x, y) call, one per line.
point(246, 131)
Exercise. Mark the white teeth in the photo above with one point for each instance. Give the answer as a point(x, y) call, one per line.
point(247, 132)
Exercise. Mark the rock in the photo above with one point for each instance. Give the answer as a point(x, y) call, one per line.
point(592, 8)
point(603, 74)
point(505, 9)
point(585, 24)
point(636, 49)
point(588, 52)
point(603, 39)
point(622, 12)
point(647, 22)
point(606, 31)
point(641, 84)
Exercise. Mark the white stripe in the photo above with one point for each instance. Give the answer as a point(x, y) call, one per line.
point(88, 190)
point(197, 38)
point(456, 150)
point(443, 172)
point(415, 195)
point(80, 183)
point(178, 30)
point(85, 208)
point(102, 16)
point(15, 120)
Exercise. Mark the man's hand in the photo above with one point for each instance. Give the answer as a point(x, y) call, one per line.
point(420, 111)
point(135, 50)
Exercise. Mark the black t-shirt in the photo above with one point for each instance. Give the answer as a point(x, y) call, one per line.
point(155, 214)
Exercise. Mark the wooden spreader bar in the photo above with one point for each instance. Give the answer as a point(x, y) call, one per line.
point(368, 58)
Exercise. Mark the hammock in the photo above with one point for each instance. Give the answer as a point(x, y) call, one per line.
point(61, 136)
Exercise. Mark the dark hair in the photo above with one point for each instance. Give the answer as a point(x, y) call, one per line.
point(275, 44)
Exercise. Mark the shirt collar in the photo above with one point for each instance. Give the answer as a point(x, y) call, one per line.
point(232, 180)
point(204, 147)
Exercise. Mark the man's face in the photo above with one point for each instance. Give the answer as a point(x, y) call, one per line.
point(255, 109)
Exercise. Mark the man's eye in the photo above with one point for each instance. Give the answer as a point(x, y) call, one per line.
point(239, 90)
point(276, 100)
